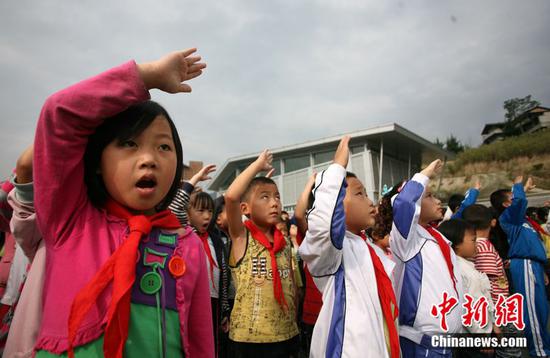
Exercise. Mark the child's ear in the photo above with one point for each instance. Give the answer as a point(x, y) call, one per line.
point(245, 209)
point(493, 223)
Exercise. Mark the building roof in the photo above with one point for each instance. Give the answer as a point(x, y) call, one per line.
point(389, 133)
point(491, 126)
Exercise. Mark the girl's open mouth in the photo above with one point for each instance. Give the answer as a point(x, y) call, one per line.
point(146, 185)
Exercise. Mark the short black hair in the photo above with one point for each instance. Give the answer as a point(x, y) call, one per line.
point(201, 201)
point(542, 214)
point(454, 230)
point(219, 205)
point(255, 183)
point(479, 216)
point(531, 212)
point(123, 126)
point(498, 198)
point(350, 175)
point(454, 201)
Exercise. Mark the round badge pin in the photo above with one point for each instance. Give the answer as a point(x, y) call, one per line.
point(176, 266)
point(150, 283)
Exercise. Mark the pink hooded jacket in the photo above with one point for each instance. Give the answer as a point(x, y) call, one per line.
point(78, 237)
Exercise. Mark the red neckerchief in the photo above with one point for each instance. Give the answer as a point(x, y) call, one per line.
point(537, 226)
point(278, 244)
point(204, 239)
point(445, 250)
point(120, 269)
point(387, 298)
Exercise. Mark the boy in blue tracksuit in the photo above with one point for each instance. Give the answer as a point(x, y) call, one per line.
point(527, 260)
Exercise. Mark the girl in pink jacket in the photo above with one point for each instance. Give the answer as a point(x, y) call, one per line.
point(122, 278)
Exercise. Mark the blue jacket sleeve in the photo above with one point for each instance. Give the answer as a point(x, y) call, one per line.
point(515, 213)
point(469, 200)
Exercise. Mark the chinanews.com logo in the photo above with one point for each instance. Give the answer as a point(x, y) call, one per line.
point(477, 341)
point(506, 311)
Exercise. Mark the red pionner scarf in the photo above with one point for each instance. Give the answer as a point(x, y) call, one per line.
point(278, 244)
point(204, 239)
point(387, 299)
point(120, 269)
point(446, 250)
point(537, 226)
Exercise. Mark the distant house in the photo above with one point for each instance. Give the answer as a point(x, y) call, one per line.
point(533, 120)
point(191, 169)
point(380, 156)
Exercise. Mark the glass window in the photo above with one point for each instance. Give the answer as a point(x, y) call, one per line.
point(296, 163)
point(277, 167)
point(357, 149)
point(323, 157)
point(227, 181)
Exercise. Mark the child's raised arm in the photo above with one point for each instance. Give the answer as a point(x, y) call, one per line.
point(514, 215)
point(233, 201)
point(180, 204)
point(23, 221)
point(70, 116)
point(322, 246)
point(469, 199)
point(301, 205)
point(23, 168)
point(406, 213)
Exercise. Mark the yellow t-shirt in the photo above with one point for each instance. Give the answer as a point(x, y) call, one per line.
point(257, 316)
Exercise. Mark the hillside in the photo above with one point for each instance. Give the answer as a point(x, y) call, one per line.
point(497, 164)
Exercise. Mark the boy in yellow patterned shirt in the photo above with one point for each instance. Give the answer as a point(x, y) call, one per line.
point(263, 320)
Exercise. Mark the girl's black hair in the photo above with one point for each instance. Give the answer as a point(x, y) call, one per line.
point(454, 230)
point(123, 126)
point(498, 237)
point(384, 218)
point(201, 201)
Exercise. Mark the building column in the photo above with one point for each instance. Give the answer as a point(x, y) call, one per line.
point(380, 168)
point(409, 170)
point(369, 173)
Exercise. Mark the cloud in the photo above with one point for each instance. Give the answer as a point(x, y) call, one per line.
point(283, 72)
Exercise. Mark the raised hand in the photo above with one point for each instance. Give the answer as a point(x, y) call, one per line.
point(311, 181)
point(264, 161)
point(342, 152)
point(270, 173)
point(202, 174)
point(168, 72)
point(23, 168)
point(433, 169)
point(477, 184)
point(529, 185)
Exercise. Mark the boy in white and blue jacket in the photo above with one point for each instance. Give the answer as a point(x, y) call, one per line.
point(352, 273)
point(426, 267)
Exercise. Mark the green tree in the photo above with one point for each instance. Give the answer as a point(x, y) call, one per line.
point(453, 144)
point(514, 107)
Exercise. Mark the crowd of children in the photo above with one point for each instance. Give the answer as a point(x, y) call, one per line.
point(107, 252)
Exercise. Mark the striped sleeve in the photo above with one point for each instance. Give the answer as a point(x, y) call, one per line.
point(486, 260)
point(180, 204)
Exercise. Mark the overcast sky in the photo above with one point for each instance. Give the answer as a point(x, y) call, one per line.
point(283, 72)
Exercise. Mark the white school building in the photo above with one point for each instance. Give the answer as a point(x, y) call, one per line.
point(380, 156)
